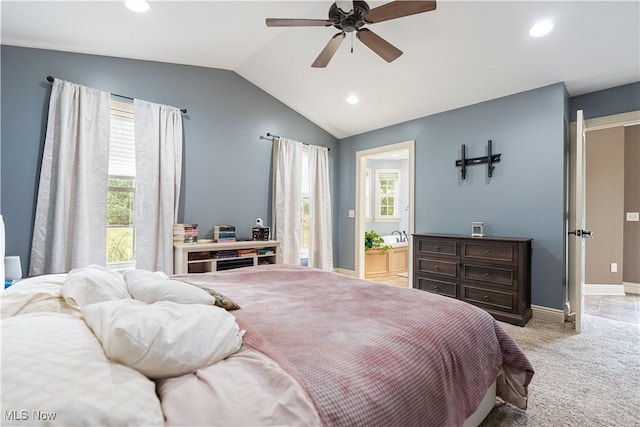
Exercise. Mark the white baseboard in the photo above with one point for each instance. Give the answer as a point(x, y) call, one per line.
point(549, 314)
point(631, 288)
point(596, 289)
point(345, 272)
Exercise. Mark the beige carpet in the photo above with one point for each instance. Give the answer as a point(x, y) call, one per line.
point(588, 379)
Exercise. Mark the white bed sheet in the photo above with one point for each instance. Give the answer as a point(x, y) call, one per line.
point(53, 364)
point(54, 372)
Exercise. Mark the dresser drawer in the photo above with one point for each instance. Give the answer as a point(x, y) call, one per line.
point(504, 301)
point(439, 247)
point(441, 287)
point(493, 273)
point(490, 274)
point(437, 266)
point(490, 251)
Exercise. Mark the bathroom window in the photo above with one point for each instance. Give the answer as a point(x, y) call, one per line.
point(387, 194)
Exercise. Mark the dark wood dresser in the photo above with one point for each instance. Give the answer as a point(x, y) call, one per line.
point(493, 273)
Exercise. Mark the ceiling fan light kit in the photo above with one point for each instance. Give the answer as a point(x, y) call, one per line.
point(351, 16)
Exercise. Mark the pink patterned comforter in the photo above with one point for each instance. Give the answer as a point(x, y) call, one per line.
point(372, 354)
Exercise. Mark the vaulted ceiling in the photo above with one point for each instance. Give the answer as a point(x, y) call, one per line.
point(462, 53)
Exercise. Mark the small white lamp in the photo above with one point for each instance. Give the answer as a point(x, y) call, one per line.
point(12, 268)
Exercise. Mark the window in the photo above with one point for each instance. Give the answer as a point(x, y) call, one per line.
point(121, 192)
point(304, 247)
point(387, 194)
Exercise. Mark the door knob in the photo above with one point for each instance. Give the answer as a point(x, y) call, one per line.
point(585, 234)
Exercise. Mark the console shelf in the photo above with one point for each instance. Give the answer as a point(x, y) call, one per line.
point(207, 255)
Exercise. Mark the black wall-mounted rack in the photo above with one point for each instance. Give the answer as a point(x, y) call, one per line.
point(489, 159)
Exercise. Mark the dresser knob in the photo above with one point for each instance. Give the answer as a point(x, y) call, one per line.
point(487, 253)
point(436, 288)
point(436, 248)
point(486, 298)
point(437, 268)
point(486, 275)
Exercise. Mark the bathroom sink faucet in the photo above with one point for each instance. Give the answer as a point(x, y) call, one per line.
point(399, 238)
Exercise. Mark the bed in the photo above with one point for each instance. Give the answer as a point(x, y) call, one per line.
point(268, 345)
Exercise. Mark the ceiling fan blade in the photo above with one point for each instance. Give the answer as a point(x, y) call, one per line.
point(345, 5)
point(286, 22)
point(398, 9)
point(380, 46)
point(329, 50)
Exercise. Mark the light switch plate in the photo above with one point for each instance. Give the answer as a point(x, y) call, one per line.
point(352, 213)
point(633, 216)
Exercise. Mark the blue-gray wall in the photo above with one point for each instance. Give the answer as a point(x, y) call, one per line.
point(226, 170)
point(620, 99)
point(527, 196)
point(524, 198)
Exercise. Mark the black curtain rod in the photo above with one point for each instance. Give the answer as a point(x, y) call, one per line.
point(50, 79)
point(270, 137)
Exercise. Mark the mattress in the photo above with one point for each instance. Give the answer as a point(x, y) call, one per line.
point(317, 348)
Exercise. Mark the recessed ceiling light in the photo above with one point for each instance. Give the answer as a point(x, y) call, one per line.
point(540, 29)
point(137, 5)
point(352, 99)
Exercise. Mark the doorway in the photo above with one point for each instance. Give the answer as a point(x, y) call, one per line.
point(398, 162)
point(596, 260)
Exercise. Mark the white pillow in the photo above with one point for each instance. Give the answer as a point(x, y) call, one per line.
point(53, 364)
point(84, 286)
point(150, 287)
point(164, 339)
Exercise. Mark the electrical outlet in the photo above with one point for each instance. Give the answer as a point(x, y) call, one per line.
point(352, 213)
point(614, 267)
point(633, 216)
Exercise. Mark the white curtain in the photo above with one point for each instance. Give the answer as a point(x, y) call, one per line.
point(158, 141)
point(320, 232)
point(287, 198)
point(69, 230)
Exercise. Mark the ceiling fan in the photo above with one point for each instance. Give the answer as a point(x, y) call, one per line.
point(351, 15)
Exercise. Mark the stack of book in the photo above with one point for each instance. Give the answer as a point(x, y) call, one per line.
point(185, 233)
point(247, 252)
point(224, 233)
point(225, 254)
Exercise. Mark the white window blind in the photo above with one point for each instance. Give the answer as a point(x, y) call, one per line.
point(122, 149)
point(304, 247)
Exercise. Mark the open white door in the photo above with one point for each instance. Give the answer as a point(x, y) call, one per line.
point(580, 233)
point(361, 157)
